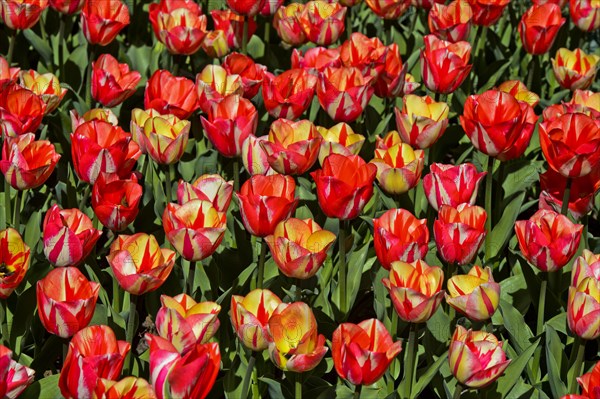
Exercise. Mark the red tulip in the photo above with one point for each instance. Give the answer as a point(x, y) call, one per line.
point(288, 95)
point(365, 53)
point(179, 25)
point(248, 8)
point(459, 232)
point(444, 65)
point(388, 9)
point(21, 111)
point(66, 301)
point(112, 83)
point(344, 93)
point(539, 26)
point(287, 24)
point(452, 22)
point(232, 26)
point(560, 3)
point(585, 14)
point(14, 261)
point(487, 12)
point(170, 94)
point(452, 185)
point(100, 114)
point(575, 69)
point(21, 14)
point(344, 185)
point(45, 85)
point(316, 59)
point(101, 21)
point(393, 81)
point(115, 201)
point(214, 84)
point(67, 6)
point(250, 72)
point(323, 22)
point(8, 75)
point(14, 377)
point(581, 197)
point(212, 188)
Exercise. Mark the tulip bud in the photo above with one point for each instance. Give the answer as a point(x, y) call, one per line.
point(14, 261)
point(344, 93)
point(452, 22)
point(164, 137)
point(459, 232)
point(179, 25)
point(101, 21)
point(323, 22)
point(115, 201)
point(422, 120)
point(575, 69)
point(170, 94)
point(289, 94)
point(212, 188)
point(215, 45)
point(475, 294)
point(14, 376)
point(444, 65)
point(583, 308)
point(399, 168)
point(254, 156)
point(539, 26)
point(21, 111)
point(112, 83)
point(250, 317)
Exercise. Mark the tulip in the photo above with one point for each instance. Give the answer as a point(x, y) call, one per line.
point(444, 65)
point(8, 75)
point(101, 21)
point(415, 289)
point(487, 12)
point(139, 264)
point(393, 81)
point(229, 123)
point(254, 156)
point(344, 93)
point(164, 137)
point(100, 114)
point(388, 9)
point(452, 185)
point(299, 247)
point(589, 382)
point(265, 201)
point(586, 101)
point(585, 14)
point(586, 265)
point(362, 352)
point(250, 72)
point(560, 3)
point(388, 141)
point(14, 377)
point(322, 22)
point(476, 358)
point(422, 120)
point(45, 85)
point(339, 139)
point(67, 6)
point(250, 317)
point(571, 144)
point(399, 168)
point(112, 83)
point(182, 375)
point(115, 201)
point(66, 301)
point(581, 195)
point(94, 353)
point(287, 24)
point(195, 229)
point(520, 92)
point(452, 22)
point(459, 232)
point(184, 322)
point(212, 188)
point(475, 294)
point(21, 14)
point(575, 69)
point(232, 26)
point(127, 388)
point(344, 185)
point(294, 343)
point(98, 146)
point(21, 111)
point(248, 8)
point(548, 240)
point(214, 84)
point(292, 147)
point(215, 45)
point(583, 308)
point(179, 25)
point(399, 236)
point(170, 94)
point(27, 163)
point(68, 235)
point(316, 59)
point(539, 26)
point(365, 53)
point(14, 261)
point(289, 94)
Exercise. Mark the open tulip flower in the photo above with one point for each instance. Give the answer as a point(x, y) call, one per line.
point(288, 95)
point(115, 201)
point(250, 317)
point(112, 83)
point(14, 377)
point(69, 236)
point(475, 294)
point(581, 195)
point(539, 26)
point(444, 65)
point(139, 264)
point(45, 85)
point(66, 301)
point(388, 141)
point(67, 6)
point(388, 9)
point(476, 358)
point(170, 94)
point(548, 240)
point(127, 388)
point(316, 59)
point(452, 185)
point(184, 322)
point(585, 14)
point(287, 24)
point(323, 22)
point(399, 168)
point(459, 232)
point(451, 22)
point(415, 289)
point(365, 53)
point(587, 102)
point(211, 187)
point(362, 352)
point(179, 25)
point(583, 308)
point(21, 14)
point(487, 12)
point(339, 139)
point(14, 261)
point(21, 111)
point(294, 343)
point(101, 21)
point(214, 84)
point(254, 157)
point(422, 121)
point(299, 247)
point(575, 69)
point(94, 353)
point(250, 72)
point(344, 92)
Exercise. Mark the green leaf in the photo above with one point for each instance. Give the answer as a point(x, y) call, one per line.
point(503, 230)
point(513, 372)
point(48, 385)
point(516, 326)
point(429, 374)
point(40, 45)
point(33, 231)
point(554, 355)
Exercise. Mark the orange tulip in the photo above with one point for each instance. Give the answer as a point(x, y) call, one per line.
point(112, 83)
point(539, 26)
point(365, 53)
point(101, 21)
point(452, 22)
point(14, 261)
point(250, 72)
point(170, 94)
point(250, 317)
point(288, 95)
point(316, 59)
point(393, 81)
point(21, 111)
point(388, 9)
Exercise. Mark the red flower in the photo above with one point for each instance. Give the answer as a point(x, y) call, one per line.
point(21, 14)
point(115, 201)
point(585, 14)
point(451, 22)
point(487, 12)
point(444, 65)
point(250, 72)
point(323, 22)
point(365, 53)
point(248, 8)
point(388, 9)
point(539, 26)
point(316, 59)
point(287, 24)
point(393, 81)
point(101, 21)
point(67, 6)
point(14, 258)
point(112, 83)
point(170, 94)
point(452, 185)
point(344, 93)
point(14, 377)
point(214, 84)
point(288, 95)
point(459, 232)
point(179, 25)
point(232, 26)
point(21, 111)
point(212, 188)
point(590, 384)
point(581, 197)
point(8, 75)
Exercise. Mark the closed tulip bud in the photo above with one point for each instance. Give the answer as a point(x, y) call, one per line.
point(362, 352)
point(250, 72)
point(388, 9)
point(139, 264)
point(46, 86)
point(8, 75)
point(323, 22)
point(67, 6)
point(250, 317)
point(548, 240)
point(287, 24)
point(254, 156)
point(184, 322)
point(422, 121)
point(265, 201)
point(182, 375)
point(94, 353)
point(316, 59)
point(487, 12)
point(288, 95)
point(344, 185)
point(14, 261)
point(170, 94)
point(179, 25)
point(476, 358)
point(195, 229)
point(69, 236)
point(292, 147)
point(386, 142)
point(215, 45)
point(583, 308)
point(365, 53)
point(399, 168)
point(575, 69)
point(581, 196)
point(452, 22)
point(14, 376)
point(127, 388)
point(393, 81)
point(98, 114)
point(339, 139)
point(214, 84)
point(585, 14)
point(299, 247)
point(344, 93)
point(444, 65)
point(399, 236)
point(452, 185)
point(232, 26)
point(112, 83)
point(475, 294)
point(101, 21)
point(66, 301)
point(539, 26)
point(21, 111)
point(415, 289)
point(586, 265)
point(248, 8)
point(20, 14)
point(115, 201)
point(459, 232)
point(212, 188)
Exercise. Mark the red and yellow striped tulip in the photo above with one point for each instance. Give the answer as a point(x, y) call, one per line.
point(14, 377)
point(287, 24)
point(339, 139)
point(452, 22)
point(212, 188)
point(169, 94)
point(323, 22)
point(179, 25)
point(583, 308)
point(100, 114)
point(394, 81)
point(422, 120)
point(344, 93)
point(127, 388)
point(399, 168)
point(586, 265)
point(452, 184)
point(45, 85)
point(365, 53)
point(520, 92)
point(112, 83)
point(214, 84)
point(575, 69)
point(232, 26)
point(388, 9)
point(254, 156)
point(288, 95)
point(444, 65)
point(459, 232)
point(21, 14)
point(585, 14)
point(316, 59)
point(21, 111)
point(251, 72)
point(215, 44)
point(475, 294)
point(250, 317)
point(388, 141)
point(14, 261)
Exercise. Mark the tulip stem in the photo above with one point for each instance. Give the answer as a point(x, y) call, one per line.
point(357, 390)
point(85, 196)
point(298, 386)
point(248, 376)
point(4, 322)
point(11, 46)
point(489, 178)
point(349, 22)
point(566, 197)
point(61, 46)
point(88, 80)
point(458, 390)
point(342, 271)
point(169, 183)
point(130, 331)
point(245, 36)
point(17, 210)
point(578, 350)
point(190, 277)
point(540, 322)
point(410, 361)
point(236, 175)
point(7, 204)
point(261, 264)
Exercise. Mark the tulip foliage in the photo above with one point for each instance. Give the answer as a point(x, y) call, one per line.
point(318, 199)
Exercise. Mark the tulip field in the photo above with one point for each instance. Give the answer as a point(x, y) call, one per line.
point(322, 199)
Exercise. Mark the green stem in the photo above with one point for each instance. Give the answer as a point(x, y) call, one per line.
point(410, 361)
point(540, 323)
point(342, 272)
point(566, 197)
point(261, 264)
point(11, 46)
point(394, 327)
point(169, 182)
point(116, 296)
point(4, 323)
point(255, 387)
point(245, 36)
point(61, 46)
point(357, 390)
point(489, 178)
point(129, 333)
point(7, 207)
point(579, 350)
point(458, 390)
point(190, 283)
point(532, 67)
point(84, 197)
point(248, 375)
point(298, 386)
point(88, 80)
point(17, 210)
point(349, 22)
point(236, 175)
